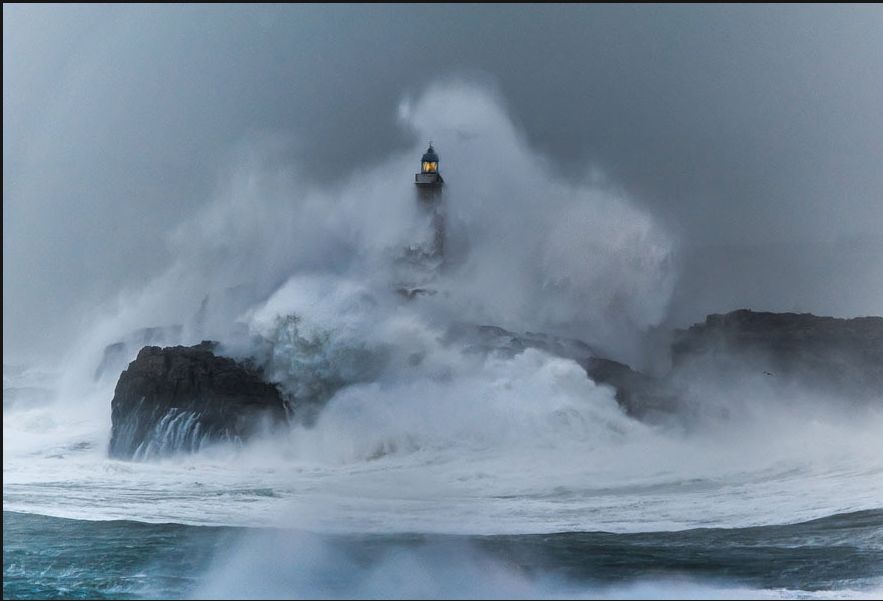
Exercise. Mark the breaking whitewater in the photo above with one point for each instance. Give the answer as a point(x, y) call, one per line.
point(430, 467)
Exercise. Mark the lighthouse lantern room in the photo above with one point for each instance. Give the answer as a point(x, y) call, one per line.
point(429, 178)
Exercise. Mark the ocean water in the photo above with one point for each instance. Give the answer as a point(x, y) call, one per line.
point(510, 499)
point(46, 557)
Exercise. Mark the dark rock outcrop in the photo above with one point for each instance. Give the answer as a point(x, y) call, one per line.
point(842, 356)
point(180, 398)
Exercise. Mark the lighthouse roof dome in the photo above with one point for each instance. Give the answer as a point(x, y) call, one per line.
point(430, 155)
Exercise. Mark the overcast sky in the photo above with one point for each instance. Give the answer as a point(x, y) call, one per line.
point(753, 132)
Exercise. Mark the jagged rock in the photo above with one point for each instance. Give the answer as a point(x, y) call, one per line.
point(180, 398)
point(842, 356)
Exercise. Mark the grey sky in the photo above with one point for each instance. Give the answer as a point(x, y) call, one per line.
point(754, 132)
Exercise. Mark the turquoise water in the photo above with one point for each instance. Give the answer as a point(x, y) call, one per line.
point(46, 557)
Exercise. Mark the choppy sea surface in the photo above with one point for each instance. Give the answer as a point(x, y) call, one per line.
point(46, 557)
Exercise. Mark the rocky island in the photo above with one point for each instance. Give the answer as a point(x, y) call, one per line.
point(180, 398)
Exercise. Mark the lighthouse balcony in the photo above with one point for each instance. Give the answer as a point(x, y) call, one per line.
point(428, 179)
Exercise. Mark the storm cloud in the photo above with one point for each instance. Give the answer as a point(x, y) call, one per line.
point(755, 133)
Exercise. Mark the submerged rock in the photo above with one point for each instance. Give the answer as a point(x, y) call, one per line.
point(180, 398)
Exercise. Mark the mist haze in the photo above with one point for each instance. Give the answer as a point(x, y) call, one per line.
point(245, 355)
point(752, 134)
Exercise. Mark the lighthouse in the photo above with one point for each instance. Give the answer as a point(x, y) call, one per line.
point(429, 184)
point(422, 260)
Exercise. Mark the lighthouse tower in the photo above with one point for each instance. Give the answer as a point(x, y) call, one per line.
point(422, 260)
point(429, 187)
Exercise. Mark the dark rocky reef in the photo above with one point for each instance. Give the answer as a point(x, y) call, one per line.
point(828, 354)
point(842, 358)
point(180, 398)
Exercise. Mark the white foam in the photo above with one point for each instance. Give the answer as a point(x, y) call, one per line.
point(485, 446)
